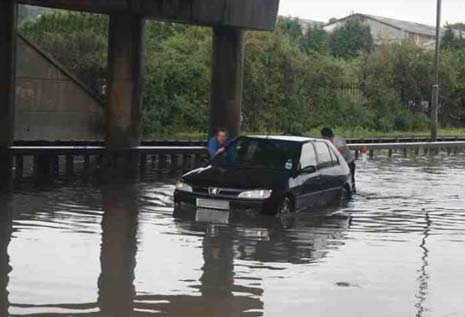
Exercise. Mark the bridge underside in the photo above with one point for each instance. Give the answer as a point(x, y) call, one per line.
point(247, 14)
point(123, 113)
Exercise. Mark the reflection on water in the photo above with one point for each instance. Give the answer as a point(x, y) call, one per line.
point(5, 233)
point(118, 250)
point(75, 250)
point(423, 279)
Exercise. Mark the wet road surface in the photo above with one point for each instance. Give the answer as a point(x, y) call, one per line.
point(82, 250)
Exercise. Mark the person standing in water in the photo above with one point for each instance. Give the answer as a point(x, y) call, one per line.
point(341, 144)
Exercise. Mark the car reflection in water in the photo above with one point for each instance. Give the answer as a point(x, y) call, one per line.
point(250, 237)
point(297, 238)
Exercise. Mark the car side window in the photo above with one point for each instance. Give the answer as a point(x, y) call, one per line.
point(334, 157)
point(308, 157)
point(324, 156)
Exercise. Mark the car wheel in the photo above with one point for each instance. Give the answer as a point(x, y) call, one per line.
point(286, 207)
point(346, 193)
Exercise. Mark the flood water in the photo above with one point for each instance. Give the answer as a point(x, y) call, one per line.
point(88, 250)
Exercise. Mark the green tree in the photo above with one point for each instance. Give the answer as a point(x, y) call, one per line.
point(291, 27)
point(351, 40)
point(177, 83)
point(294, 81)
point(458, 26)
point(77, 40)
point(453, 39)
point(315, 39)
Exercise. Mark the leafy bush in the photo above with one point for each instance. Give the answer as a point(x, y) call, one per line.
point(296, 79)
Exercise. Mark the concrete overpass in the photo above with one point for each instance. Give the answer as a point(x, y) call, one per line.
point(228, 18)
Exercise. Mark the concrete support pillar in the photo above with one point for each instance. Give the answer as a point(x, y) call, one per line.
point(226, 81)
point(126, 62)
point(7, 88)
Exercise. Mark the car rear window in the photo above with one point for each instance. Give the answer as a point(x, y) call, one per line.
point(334, 157)
point(308, 157)
point(324, 156)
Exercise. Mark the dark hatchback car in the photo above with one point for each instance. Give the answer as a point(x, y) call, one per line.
point(272, 174)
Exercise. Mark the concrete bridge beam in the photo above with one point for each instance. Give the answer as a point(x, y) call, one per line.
point(226, 81)
point(7, 87)
point(126, 62)
point(246, 14)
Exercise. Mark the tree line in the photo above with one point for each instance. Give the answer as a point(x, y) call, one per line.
point(295, 79)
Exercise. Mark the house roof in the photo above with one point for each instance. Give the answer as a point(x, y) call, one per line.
point(411, 27)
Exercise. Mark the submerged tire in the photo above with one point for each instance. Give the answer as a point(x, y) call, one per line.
point(346, 193)
point(286, 206)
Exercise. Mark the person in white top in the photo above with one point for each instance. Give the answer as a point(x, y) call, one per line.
point(341, 145)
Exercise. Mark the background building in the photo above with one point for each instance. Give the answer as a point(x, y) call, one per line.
point(386, 30)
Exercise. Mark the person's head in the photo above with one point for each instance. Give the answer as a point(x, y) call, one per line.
point(221, 135)
point(327, 133)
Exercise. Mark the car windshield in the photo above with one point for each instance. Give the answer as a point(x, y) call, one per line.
point(268, 153)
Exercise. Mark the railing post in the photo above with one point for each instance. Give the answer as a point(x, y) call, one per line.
point(143, 163)
point(69, 165)
point(44, 166)
point(86, 166)
point(19, 167)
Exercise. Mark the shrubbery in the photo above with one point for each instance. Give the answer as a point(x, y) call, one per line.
point(295, 79)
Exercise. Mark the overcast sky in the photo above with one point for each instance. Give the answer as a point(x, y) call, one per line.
point(421, 11)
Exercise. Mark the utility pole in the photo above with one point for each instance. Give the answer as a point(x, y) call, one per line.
point(435, 95)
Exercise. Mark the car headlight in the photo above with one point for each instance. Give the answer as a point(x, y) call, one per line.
point(256, 194)
point(182, 186)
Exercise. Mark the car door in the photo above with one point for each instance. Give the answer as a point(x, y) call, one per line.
point(325, 165)
point(337, 173)
point(309, 176)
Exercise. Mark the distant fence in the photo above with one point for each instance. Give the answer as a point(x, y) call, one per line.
point(448, 147)
point(352, 91)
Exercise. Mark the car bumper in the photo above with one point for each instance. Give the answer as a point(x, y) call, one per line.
point(261, 205)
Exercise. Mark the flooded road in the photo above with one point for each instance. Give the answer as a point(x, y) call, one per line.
point(81, 250)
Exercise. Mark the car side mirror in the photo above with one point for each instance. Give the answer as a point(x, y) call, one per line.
point(308, 170)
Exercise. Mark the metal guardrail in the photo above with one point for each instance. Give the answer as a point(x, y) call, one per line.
point(408, 145)
point(428, 147)
point(204, 143)
point(403, 139)
point(79, 150)
point(47, 160)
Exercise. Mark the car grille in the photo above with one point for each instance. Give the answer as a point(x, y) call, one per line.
point(217, 191)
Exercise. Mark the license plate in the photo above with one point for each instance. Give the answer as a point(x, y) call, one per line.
point(212, 204)
point(212, 216)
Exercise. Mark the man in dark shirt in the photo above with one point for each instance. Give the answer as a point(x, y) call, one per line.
point(217, 144)
point(342, 147)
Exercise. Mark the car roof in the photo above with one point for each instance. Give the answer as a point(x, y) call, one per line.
point(289, 138)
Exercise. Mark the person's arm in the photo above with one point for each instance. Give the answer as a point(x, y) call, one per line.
point(212, 148)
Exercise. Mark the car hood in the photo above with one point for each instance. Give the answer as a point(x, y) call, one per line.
point(237, 177)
